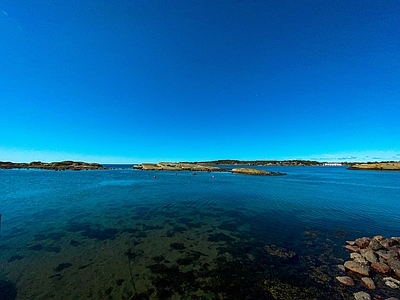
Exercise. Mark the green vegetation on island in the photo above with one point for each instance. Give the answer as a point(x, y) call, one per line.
point(294, 162)
point(200, 167)
point(57, 166)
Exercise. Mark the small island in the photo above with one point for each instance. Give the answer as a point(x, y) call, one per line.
point(200, 167)
point(384, 166)
point(57, 166)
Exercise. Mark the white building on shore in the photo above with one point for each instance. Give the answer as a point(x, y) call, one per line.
point(331, 164)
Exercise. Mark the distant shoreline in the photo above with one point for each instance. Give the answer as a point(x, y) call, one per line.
point(209, 166)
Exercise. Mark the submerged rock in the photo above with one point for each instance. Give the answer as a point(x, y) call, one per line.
point(279, 251)
point(346, 280)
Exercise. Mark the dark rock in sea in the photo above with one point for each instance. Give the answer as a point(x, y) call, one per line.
point(62, 266)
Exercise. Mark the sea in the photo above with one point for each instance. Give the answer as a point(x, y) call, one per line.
point(132, 234)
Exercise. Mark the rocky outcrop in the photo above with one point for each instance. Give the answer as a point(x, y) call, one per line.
point(58, 166)
point(168, 166)
point(249, 171)
point(373, 257)
point(388, 166)
point(200, 167)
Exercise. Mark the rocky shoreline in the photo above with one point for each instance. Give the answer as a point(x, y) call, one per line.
point(200, 167)
point(57, 166)
point(373, 261)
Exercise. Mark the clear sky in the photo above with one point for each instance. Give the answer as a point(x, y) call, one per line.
point(129, 81)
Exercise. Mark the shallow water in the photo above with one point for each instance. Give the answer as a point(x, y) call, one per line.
point(123, 234)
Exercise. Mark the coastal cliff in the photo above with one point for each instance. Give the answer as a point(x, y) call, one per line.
point(57, 166)
point(387, 166)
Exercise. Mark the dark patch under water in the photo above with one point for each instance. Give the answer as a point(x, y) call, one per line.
point(8, 290)
point(15, 257)
point(62, 266)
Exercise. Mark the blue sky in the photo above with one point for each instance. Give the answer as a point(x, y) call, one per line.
point(135, 81)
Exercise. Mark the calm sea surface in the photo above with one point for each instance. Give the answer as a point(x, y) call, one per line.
point(131, 234)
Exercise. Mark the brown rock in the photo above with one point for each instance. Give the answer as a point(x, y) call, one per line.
point(351, 243)
point(369, 255)
point(375, 245)
point(346, 280)
point(368, 282)
point(378, 238)
point(357, 257)
point(386, 243)
point(395, 266)
point(363, 242)
point(352, 248)
point(362, 296)
point(357, 267)
point(381, 267)
point(383, 255)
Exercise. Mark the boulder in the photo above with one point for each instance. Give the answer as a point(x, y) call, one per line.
point(391, 282)
point(381, 267)
point(352, 248)
point(363, 242)
point(375, 245)
point(369, 255)
point(357, 267)
point(346, 280)
point(368, 282)
point(395, 266)
point(357, 257)
point(362, 296)
point(341, 268)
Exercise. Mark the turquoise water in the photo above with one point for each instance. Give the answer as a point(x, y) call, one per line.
point(124, 234)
